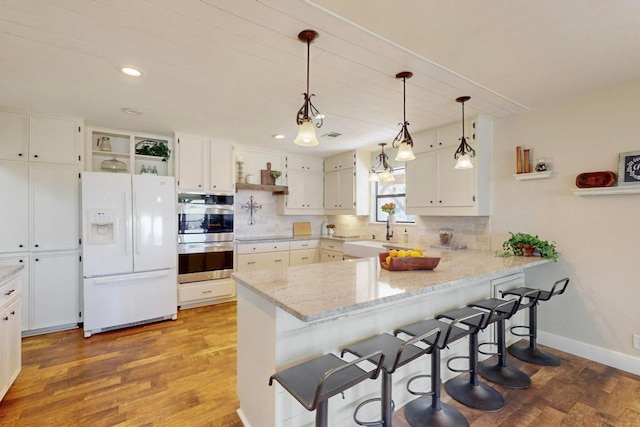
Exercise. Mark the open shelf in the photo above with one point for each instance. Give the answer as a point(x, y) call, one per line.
point(606, 191)
point(532, 175)
point(275, 189)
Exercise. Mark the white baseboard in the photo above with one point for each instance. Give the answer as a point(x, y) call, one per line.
point(243, 420)
point(607, 357)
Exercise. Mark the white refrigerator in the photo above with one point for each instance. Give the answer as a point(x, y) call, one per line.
point(129, 250)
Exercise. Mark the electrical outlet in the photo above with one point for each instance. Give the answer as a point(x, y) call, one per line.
point(636, 341)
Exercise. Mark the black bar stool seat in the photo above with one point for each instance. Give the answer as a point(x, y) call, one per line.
point(423, 412)
point(313, 382)
point(396, 353)
point(529, 352)
point(471, 392)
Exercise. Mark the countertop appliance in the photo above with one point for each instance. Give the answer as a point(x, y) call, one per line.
point(205, 237)
point(129, 250)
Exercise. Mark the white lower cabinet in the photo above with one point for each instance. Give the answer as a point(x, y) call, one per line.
point(10, 337)
point(331, 250)
point(304, 252)
point(202, 292)
point(54, 279)
point(17, 260)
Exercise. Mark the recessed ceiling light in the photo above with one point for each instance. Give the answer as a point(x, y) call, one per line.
point(130, 71)
point(278, 136)
point(132, 111)
point(320, 116)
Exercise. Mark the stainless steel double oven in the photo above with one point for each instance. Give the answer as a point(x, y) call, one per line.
point(205, 237)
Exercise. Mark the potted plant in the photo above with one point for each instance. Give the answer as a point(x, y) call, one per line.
point(524, 244)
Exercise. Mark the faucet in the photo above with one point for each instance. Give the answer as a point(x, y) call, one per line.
point(389, 233)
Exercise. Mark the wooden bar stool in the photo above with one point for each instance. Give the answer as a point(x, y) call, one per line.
point(313, 382)
point(529, 352)
point(422, 412)
point(396, 353)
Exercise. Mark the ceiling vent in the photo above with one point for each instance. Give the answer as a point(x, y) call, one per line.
point(332, 134)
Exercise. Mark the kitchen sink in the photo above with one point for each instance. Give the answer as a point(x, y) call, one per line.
point(364, 248)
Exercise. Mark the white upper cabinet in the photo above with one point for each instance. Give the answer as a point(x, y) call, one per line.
point(40, 138)
point(204, 164)
point(346, 184)
point(305, 181)
point(435, 187)
point(14, 136)
point(14, 215)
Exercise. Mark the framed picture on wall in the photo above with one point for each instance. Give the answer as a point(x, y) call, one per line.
point(629, 168)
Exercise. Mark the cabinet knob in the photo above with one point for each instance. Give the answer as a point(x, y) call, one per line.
point(37, 246)
point(13, 313)
point(20, 260)
point(37, 259)
point(5, 318)
point(21, 246)
point(206, 292)
point(10, 292)
point(19, 154)
point(439, 201)
point(35, 155)
point(251, 262)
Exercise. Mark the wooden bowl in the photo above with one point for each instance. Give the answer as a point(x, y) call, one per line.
point(408, 263)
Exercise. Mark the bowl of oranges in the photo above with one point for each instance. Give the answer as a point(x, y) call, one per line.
point(407, 259)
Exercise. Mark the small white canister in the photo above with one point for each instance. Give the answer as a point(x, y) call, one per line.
point(251, 179)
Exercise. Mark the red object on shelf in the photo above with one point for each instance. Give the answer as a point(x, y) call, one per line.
point(596, 179)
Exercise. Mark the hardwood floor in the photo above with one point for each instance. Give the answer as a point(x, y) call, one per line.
point(182, 373)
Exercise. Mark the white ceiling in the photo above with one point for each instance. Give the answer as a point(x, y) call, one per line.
point(235, 68)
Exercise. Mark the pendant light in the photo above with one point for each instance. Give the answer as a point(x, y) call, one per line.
point(387, 171)
point(306, 131)
point(464, 152)
point(403, 141)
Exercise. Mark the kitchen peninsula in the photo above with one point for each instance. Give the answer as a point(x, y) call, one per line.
point(289, 315)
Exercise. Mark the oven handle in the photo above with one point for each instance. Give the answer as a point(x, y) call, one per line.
point(194, 248)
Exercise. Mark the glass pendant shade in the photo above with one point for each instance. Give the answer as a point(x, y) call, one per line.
point(405, 153)
point(464, 162)
point(306, 134)
point(385, 175)
point(373, 177)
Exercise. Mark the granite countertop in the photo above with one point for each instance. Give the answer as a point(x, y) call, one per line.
point(319, 291)
point(271, 239)
point(6, 272)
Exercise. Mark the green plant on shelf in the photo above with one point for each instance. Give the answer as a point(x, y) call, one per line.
point(517, 243)
point(150, 147)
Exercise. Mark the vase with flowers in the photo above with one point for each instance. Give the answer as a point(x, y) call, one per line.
point(331, 229)
point(390, 209)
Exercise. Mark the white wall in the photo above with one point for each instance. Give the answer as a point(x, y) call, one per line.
point(598, 237)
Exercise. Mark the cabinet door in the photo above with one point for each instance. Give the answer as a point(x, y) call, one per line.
point(13, 340)
point(346, 189)
point(304, 163)
point(54, 286)
point(341, 161)
point(192, 159)
point(455, 186)
point(54, 207)
point(54, 140)
point(4, 351)
point(221, 166)
point(24, 280)
point(313, 190)
point(331, 190)
point(14, 141)
point(296, 199)
point(304, 257)
point(14, 215)
point(421, 181)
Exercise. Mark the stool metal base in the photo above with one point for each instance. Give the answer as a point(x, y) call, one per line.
point(420, 413)
point(523, 351)
point(504, 375)
point(479, 396)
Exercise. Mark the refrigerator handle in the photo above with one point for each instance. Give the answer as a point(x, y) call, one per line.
point(130, 277)
point(136, 224)
point(127, 223)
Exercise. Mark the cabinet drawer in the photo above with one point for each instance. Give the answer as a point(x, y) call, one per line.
point(304, 244)
point(223, 288)
point(304, 256)
point(262, 247)
point(250, 262)
point(331, 245)
point(9, 291)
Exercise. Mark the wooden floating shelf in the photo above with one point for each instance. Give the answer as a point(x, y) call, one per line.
point(532, 175)
point(606, 191)
point(275, 189)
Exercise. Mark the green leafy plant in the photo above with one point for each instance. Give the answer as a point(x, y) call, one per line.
point(515, 246)
point(150, 147)
point(276, 174)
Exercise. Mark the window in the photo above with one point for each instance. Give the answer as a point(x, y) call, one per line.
point(392, 191)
